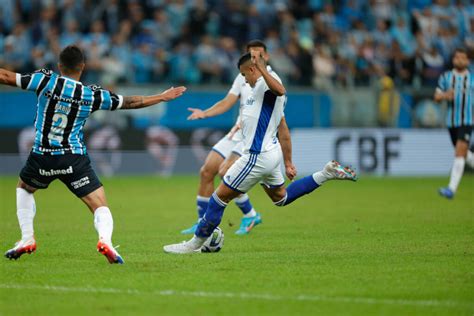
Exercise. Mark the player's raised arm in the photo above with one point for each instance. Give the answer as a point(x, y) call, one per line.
point(218, 108)
point(285, 143)
point(273, 84)
point(138, 102)
point(7, 77)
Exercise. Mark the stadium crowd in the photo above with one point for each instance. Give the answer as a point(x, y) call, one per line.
point(314, 42)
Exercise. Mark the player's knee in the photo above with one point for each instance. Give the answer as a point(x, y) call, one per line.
point(24, 186)
point(278, 198)
point(223, 170)
point(207, 173)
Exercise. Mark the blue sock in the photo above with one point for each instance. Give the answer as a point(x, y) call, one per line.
point(202, 203)
point(212, 218)
point(297, 189)
point(243, 202)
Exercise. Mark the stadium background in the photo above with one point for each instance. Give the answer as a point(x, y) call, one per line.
point(347, 64)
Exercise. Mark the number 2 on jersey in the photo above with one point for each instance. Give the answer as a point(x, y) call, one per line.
point(57, 129)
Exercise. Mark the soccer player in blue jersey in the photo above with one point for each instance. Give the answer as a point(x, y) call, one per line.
point(261, 116)
point(64, 104)
point(456, 86)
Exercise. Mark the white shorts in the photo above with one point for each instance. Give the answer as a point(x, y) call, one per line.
point(253, 168)
point(226, 146)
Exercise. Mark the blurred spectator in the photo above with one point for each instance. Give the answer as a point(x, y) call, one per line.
point(324, 68)
point(433, 65)
point(207, 56)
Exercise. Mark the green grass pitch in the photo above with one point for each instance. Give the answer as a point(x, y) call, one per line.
point(381, 246)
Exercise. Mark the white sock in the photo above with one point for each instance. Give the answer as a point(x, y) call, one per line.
point(25, 211)
point(320, 177)
point(104, 223)
point(196, 242)
point(470, 159)
point(242, 199)
point(252, 213)
point(456, 173)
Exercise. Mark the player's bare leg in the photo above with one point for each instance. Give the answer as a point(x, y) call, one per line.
point(251, 217)
point(461, 152)
point(208, 172)
point(206, 185)
point(104, 224)
point(26, 210)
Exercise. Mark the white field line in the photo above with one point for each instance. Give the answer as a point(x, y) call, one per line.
point(240, 295)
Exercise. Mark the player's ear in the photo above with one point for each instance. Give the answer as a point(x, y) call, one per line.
point(81, 67)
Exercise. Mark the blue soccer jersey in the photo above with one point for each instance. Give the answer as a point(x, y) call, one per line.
point(63, 107)
point(460, 109)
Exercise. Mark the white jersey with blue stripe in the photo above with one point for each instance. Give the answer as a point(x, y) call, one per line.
point(261, 114)
point(63, 107)
point(460, 109)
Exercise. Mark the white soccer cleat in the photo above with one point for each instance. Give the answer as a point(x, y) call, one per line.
point(182, 248)
point(21, 247)
point(334, 171)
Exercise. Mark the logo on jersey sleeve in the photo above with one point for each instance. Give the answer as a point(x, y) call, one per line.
point(95, 87)
point(46, 72)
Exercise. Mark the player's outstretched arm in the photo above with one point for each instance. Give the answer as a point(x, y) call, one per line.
point(285, 142)
point(273, 84)
point(138, 101)
point(7, 77)
point(218, 108)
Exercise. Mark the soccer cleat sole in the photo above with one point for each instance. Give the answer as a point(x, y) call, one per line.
point(16, 254)
point(111, 256)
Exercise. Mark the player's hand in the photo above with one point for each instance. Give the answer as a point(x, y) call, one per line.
point(234, 130)
point(290, 170)
point(449, 95)
point(257, 60)
point(172, 93)
point(197, 114)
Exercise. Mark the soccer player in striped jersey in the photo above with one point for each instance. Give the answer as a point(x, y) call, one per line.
point(456, 86)
point(64, 105)
point(261, 116)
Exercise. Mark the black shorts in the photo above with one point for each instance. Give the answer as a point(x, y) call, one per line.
point(460, 133)
point(74, 171)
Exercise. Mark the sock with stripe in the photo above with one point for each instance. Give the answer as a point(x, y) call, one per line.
point(212, 218)
point(25, 211)
point(456, 173)
point(201, 202)
point(299, 188)
point(243, 202)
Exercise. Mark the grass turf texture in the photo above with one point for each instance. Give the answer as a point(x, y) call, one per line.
point(376, 247)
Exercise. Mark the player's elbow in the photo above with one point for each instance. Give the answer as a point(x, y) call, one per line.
point(3, 76)
point(279, 91)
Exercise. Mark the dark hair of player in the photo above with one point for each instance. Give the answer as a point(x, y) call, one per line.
point(256, 43)
point(71, 57)
point(243, 59)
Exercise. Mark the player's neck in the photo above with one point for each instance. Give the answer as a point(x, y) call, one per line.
point(461, 71)
point(75, 76)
